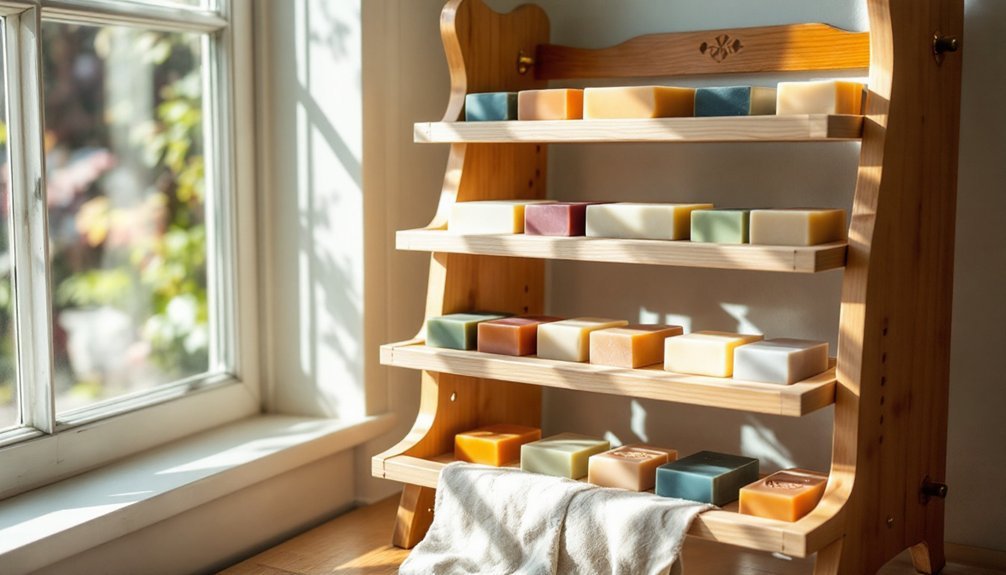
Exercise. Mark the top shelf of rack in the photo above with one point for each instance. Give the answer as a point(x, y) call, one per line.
point(795, 128)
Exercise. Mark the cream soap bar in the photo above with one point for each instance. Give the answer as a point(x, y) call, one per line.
point(797, 227)
point(489, 217)
point(708, 353)
point(563, 455)
point(632, 467)
point(638, 102)
point(642, 221)
point(632, 346)
point(557, 104)
point(569, 340)
point(823, 97)
point(782, 361)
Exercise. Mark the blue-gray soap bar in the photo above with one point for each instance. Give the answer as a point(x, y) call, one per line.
point(707, 476)
point(734, 101)
point(491, 107)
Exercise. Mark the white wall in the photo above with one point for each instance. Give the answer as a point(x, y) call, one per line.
point(739, 175)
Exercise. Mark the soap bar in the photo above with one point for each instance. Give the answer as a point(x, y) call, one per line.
point(821, 97)
point(556, 219)
point(491, 107)
point(489, 217)
point(722, 226)
point(457, 330)
point(735, 101)
point(782, 361)
point(632, 346)
point(704, 352)
point(557, 104)
point(785, 495)
point(569, 340)
point(641, 221)
point(495, 445)
point(706, 476)
point(797, 227)
point(563, 455)
point(632, 467)
point(512, 335)
point(638, 102)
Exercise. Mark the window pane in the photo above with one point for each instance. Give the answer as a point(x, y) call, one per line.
point(9, 415)
point(126, 184)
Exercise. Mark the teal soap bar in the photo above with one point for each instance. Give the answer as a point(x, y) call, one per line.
point(457, 330)
point(491, 107)
point(734, 101)
point(721, 226)
point(707, 476)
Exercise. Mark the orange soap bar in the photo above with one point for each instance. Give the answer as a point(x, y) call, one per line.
point(638, 102)
point(631, 346)
point(558, 104)
point(785, 495)
point(512, 335)
point(495, 445)
point(632, 467)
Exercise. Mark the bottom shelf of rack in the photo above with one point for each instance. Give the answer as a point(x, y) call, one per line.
point(724, 525)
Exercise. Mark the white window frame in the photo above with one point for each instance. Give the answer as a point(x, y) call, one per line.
point(47, 449)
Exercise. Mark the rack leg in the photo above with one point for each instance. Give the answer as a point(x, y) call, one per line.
point(415, 514)
point(828, 559)
point(928, 558)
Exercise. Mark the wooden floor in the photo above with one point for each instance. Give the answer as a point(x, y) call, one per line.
point(357, 544)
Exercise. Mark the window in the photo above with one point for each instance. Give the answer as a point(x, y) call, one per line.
point(120, 229)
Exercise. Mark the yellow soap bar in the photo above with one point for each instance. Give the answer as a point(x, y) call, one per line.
point(632, 346)
point(638, 102)
point(489, 217)
point(569, 340)
point(797, 227)
point(558, 104)
point(495, 445)
point(785, 495)
point(704, 352)
point(823, 97)
point(632, 467)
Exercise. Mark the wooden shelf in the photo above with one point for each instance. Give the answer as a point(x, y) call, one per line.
point(724, 525)
point(653, 252)
point(795, 128)
point(648, 383)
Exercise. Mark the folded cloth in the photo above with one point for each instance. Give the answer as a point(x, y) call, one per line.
point(500, 521)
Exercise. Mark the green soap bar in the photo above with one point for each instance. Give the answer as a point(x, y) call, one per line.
point(563, 455)
point(707, 476)
point(491, 107)
point(721, 226)
point(457, 330)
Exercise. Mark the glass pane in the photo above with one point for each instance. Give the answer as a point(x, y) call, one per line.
point(9, 416)
point(127, 218)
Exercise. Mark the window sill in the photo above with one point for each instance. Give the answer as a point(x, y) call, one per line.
point(58, 521)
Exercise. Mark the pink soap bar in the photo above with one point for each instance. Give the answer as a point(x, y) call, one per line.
point(556, 219)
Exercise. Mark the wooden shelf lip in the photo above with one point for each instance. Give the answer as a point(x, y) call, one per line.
point(649, 252)
point(724, 525)
point(794, 128)
point(794, 400)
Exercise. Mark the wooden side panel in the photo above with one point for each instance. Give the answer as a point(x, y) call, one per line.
point(793, 47)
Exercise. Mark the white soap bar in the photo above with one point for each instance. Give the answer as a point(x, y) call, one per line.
point(569, 340)
point(642, 221)
point(822, 97)
point(704, 352)
point(796, 227)
point(489, 217)
point(782, 361)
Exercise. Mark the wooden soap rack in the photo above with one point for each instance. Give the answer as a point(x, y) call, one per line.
point(890, 384)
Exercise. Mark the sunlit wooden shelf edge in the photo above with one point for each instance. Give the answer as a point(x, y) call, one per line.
point(648, 383)
point(811, 259)
point(791, 128)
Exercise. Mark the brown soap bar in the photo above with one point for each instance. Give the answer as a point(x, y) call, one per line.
point(512, 335)
point(557, 219)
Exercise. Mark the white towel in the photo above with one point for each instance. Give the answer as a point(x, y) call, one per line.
point(502, 521)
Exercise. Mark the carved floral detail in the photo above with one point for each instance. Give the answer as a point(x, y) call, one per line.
point(721, 47)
